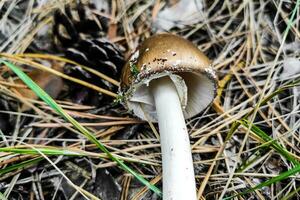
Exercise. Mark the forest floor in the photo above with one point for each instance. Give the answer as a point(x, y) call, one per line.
point(245, 145)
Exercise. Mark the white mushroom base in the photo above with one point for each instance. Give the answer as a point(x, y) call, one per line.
point(178, 171)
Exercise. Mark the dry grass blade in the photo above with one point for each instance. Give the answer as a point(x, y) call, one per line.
point(248, 138)
point(15, 58)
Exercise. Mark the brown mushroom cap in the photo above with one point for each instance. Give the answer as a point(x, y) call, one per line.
point(168, 55)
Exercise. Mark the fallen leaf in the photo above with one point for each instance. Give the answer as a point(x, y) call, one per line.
point(185, 12)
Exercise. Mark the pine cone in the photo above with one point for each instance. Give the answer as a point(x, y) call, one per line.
point(80, 35)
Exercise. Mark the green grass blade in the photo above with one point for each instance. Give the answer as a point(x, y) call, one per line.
point(2, 197)
point(253, 158)
point(235, 125)
point(280, 177)
point(266, 138)
point(21, 165)
point(46, 151)
point(46, 98)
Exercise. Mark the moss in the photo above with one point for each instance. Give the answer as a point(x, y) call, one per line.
point(134, 70)
point(119, 99)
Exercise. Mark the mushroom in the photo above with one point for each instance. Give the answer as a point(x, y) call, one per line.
point(168, 80)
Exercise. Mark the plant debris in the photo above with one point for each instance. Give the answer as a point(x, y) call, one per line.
point(248, 137)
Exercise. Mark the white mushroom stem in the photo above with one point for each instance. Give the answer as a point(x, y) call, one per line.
point(178, 170)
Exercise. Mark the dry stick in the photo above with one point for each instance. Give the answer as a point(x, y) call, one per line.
point(10, 160)
point(14, 85)
point(108, 132)
point(139, 148)
point(65, 105)
point(259, 175)
point(76, 105)
point(260, 100)
point(95, 116)
point(127, 181)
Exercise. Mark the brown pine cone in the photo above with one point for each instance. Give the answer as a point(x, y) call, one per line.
point(79, 34)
